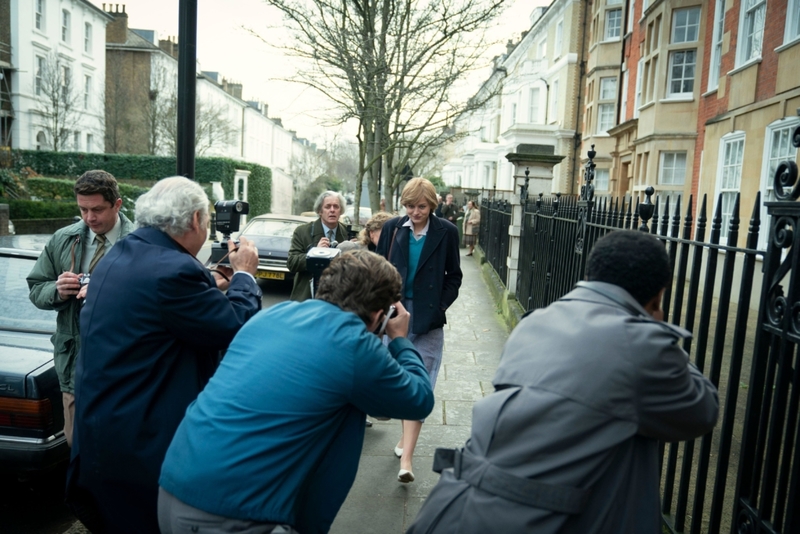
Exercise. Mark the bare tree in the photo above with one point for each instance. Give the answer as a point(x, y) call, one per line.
point(58, 100)
point(393, 65)
point(213, 129)
point(161, 98)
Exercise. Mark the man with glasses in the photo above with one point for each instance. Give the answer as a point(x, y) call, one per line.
point(69, 257)
point(323, 232)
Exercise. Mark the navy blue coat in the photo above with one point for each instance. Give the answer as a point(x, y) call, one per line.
point(151, 333)
point(438, 274)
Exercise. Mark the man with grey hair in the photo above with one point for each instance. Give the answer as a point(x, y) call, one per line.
point(324, 232)
point(152, 330)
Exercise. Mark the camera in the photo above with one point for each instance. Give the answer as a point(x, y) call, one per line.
point(84, 279)
point(228, 220)
point(317, 259)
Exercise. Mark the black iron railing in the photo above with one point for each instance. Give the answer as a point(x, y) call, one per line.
point(743, 477)
point(493, 234)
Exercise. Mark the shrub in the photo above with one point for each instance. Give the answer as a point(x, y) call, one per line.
point(148, 168)
point(42, 209)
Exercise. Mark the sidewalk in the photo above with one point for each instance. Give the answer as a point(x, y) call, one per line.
point(473, 339)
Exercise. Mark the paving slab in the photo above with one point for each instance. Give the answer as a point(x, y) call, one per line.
point(473, 340)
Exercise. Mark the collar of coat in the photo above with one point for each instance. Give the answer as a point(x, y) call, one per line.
point(436, 233)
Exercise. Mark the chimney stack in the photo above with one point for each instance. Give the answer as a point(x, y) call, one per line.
point(116, 30)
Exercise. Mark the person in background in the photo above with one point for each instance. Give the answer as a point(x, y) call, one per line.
point(326, 230)
point(472, 218)
point(424, 249)
point(55, 280)
point(586, 389)
point(439, 204)
point(273, 442)
point(449, 209)
point(152, 329)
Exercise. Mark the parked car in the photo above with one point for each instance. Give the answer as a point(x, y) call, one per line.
point(364, 215)
point(272, 235)
point(31, 411)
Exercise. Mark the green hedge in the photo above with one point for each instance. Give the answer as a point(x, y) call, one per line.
point(53, 189)
point(41, 209)
point(146, 167)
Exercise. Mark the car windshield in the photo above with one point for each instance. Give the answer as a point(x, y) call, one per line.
point(17, 312)
point(270, 227)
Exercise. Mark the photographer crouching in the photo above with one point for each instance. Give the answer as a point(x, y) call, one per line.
point(272, 444)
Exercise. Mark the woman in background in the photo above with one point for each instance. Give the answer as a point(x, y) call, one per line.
point(472, 218)
point(424, 249)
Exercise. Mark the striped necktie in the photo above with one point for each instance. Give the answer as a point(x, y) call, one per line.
point(100, 239)
point(331, 236)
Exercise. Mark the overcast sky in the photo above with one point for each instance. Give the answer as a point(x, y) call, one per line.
point(225, 47)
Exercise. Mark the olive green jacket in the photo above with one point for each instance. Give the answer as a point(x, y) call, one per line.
point(305, 237)
point(62, 253)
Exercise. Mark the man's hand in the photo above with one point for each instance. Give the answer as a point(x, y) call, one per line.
point(68, 285)
point(245, 258)
point(219, 273)
point(398, 325)
point(324, 243)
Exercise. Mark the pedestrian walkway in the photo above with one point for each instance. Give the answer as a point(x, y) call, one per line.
point(473, 339)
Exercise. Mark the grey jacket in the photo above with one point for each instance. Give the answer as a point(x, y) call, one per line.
point(569, 441)
point(64, 251)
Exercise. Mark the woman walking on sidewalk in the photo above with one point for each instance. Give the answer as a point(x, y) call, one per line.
point(472, 218)
point(424, 249)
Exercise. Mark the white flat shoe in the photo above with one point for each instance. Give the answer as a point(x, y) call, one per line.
point(405, 476)
point(398, 452)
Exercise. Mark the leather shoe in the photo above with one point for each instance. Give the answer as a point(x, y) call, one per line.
point(398, 452)
point(405, 476)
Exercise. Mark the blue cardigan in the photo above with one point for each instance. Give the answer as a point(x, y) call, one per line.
point(438, 275)
point(276, 435)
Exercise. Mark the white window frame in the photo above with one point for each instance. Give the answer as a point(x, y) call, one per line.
point(608, 27)
point(559, 39)
point(39, 16)
point(604, 88)
point(715, 65)
point(87, 38)
point(601, 184)
point(639, 76)
point(690, 32)
point(89, 142)
point(534, 95)
point(623, 105)
point(605, 117)
point(554, 103)
point(750, 39)
point(769, 163)
point(513, 117)
point(66, 82)
point(792, 32)
point(38, 80)
point(684, 67)
point(66, 23)
point(542, 49)
point(87, 91)
point(613, 2)
point(727, 191)
point(672, 165)
point(631, 10)
point(76, 141)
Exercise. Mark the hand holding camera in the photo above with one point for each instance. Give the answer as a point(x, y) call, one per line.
point(396, 325)
point(244, 257)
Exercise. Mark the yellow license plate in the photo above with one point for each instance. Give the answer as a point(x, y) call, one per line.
point(271, 275)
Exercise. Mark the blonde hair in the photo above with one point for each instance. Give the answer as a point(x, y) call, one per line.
point(375, 224)
point(419, 189)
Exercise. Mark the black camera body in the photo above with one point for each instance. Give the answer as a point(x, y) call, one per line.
point(229, 218)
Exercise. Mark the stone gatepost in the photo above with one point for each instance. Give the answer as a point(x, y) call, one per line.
point(533, 174)
point(241, 176)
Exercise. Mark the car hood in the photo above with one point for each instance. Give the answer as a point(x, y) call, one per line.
point(16, 364)
point(273, 246)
